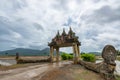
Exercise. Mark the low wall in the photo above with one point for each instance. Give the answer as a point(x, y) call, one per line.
point(31, 61)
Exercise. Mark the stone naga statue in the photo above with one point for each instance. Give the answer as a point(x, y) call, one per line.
point(105, 68)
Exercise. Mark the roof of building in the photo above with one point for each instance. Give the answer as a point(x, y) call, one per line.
point(64, 39)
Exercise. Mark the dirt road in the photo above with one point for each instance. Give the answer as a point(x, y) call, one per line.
point(70, 72)
point(29, 73)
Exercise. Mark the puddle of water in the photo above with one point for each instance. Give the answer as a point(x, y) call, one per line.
point(98, 61)
point(7, 62)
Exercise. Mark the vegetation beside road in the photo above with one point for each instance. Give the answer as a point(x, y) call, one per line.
point(118, 58)
point(66, 56)
point(88, 57)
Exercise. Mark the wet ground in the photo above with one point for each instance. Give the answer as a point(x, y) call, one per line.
point(7, 62)
point(30, 72)
point(50, 71)
point(70, 72)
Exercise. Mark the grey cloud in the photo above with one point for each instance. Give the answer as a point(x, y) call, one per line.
point(5, 46)
point(7, 27)
point(106, 14)
point(4, 26)
point(60, 5)
point(37, 47)
point(6, 41)
point(68, 22)
point(96, 1)
point(38, 26)
point(22, 29)
point(91, 33)
point(11, 6)
point(3, 30)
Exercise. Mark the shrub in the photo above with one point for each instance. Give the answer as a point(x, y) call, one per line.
point(70, 56)
point(88, 57)
point(66, 56)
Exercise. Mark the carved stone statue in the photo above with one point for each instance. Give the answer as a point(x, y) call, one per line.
point(17, 56)
point(105, 68)
point(109, 54)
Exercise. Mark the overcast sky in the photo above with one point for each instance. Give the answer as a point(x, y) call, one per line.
point(33, 23)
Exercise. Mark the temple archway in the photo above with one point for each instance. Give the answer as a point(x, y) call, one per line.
point(65, 40)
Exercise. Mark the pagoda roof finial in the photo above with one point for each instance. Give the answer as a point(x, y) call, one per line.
point(70, 31)
point(58, 34)
point(63, 33)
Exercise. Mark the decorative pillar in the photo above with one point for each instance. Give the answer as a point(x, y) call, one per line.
point(57, 54)
point(51, 54)
point(75, 52)
point(78, 52)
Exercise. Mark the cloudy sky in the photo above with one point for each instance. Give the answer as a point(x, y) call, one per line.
point(33, 23)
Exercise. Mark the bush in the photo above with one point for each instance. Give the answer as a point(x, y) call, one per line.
point(66, 56)
point(88, 57)
point(70, 56)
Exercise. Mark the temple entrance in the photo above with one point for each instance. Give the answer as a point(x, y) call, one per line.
point(65, 40)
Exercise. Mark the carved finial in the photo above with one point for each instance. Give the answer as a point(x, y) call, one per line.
point(70, 28)
point(63, 33)
point(70, 31)
point(58, 33)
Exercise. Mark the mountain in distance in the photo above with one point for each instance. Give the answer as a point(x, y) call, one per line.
point(32, 52)
point(27, 52)
point(96, 53)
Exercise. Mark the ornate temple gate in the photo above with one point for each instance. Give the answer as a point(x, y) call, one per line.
point(64, 40)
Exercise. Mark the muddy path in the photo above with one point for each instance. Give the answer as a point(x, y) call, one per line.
point(30, 72)
point(70, 72)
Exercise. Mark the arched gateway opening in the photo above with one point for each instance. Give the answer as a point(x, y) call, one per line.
point(65, 40)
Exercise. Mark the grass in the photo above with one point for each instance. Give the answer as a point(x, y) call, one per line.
point(118, 58)
point(118, 78)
